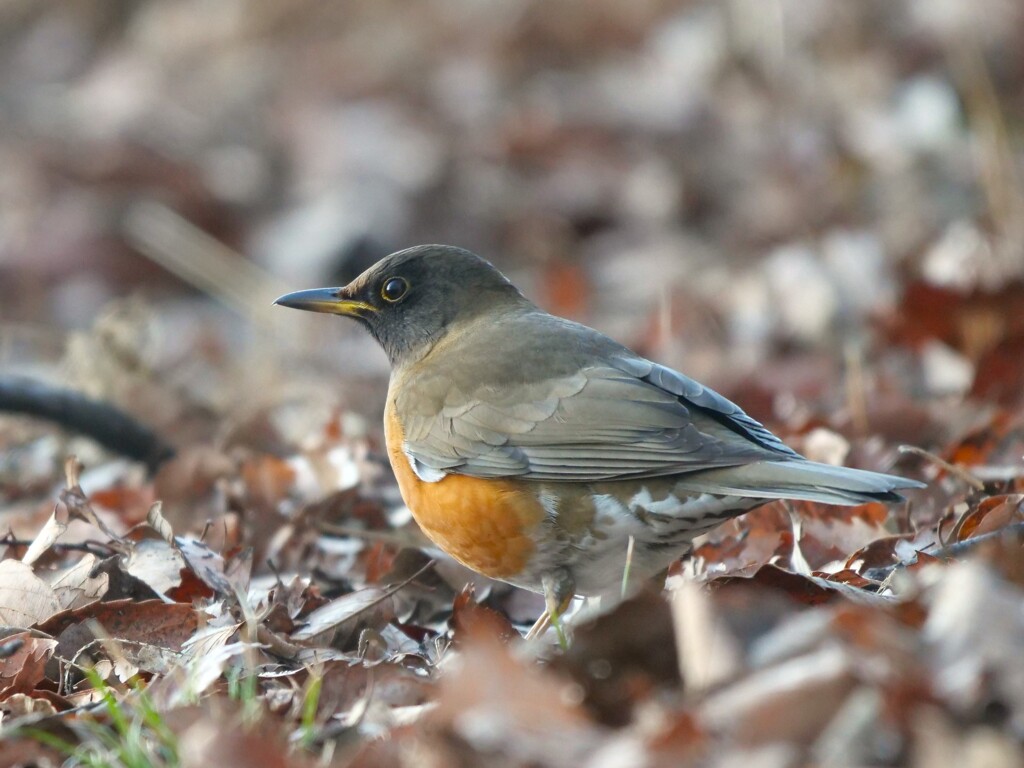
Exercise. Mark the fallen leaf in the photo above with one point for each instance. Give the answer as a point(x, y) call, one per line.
point(78, 585)
point(150, 621)
point(191, 589)
point(708, 652)
point(976, 631)
point(499, 704)
point(159, 523)
point(205, 563)
point(991, 514)
point(790, 702)
point(21, 704)
point(624, 657)
point(209, 667)
point(154, 659)
point(22, 670)
point(805, 589)
point(340, 617)
point(155, 563)
point(469, 616)
point(25, 599)
point(221, 740)
point(48, 535)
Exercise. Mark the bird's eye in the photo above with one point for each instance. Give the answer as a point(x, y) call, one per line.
point(394, 289)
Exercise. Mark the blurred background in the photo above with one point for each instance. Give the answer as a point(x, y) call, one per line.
point(773, 195)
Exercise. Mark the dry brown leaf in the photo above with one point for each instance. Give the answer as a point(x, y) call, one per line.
point(23, 669)
point(207, 668)
point(497, 703)
point(888, 551)
point(156, 659)
point(267, 479)
point(345, 688)
point(208, 639)
point(788, 702)
point(624, 658)
point(154, 622)
point(238, 571)
point(976, 630)
point(48, 535)
point(805, 589)
point(20, 704)
point(974, 322)
point(991, 514)
point(831, 533)
point(25, 599)
point(998, 440)
point(220, 739)
point(1000, 374)
point(708, 652)
point(205, 563)
point(157, 564)
point(848, 577)
point(159, 523)
point(746, 542)
point(468, 616)
point(339, 617)
point(78, 506)
point(75, 586)
point(127, 501)
point(191, 589)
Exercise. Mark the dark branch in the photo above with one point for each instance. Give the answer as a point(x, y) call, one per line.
point(109, 426)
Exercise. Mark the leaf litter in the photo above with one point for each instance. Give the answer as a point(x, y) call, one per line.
point(263, 590)
point(798, 632)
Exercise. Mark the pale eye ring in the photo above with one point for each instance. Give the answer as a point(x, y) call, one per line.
point(394, 289)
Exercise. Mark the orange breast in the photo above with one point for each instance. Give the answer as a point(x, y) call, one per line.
point(484, 524)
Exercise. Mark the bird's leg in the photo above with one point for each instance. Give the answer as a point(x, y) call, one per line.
point(559, 589)
point(556, 622)
point(542, 623)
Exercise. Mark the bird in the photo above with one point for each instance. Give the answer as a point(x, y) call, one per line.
point(537, 451)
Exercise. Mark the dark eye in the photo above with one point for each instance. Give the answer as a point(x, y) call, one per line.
point(394, 288)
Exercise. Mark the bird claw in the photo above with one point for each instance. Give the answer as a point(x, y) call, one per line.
point(559, 589)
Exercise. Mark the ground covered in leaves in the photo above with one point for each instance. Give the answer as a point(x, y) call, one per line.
point(255, 599)
point(814, 206)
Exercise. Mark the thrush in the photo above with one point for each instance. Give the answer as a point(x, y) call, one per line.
point(531, 448)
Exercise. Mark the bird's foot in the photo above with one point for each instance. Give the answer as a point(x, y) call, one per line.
point(559, 589)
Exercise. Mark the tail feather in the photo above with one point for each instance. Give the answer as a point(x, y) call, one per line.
point(801, 480)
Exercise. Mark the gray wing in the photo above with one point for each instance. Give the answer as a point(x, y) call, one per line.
point(610, 416)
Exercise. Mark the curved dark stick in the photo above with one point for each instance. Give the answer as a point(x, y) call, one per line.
point(958, 549)
point(109, 426)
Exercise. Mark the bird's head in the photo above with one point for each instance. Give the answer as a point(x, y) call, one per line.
point(410, 299)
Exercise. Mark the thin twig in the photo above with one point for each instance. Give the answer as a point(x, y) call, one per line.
point(953, 469)
point(395, 589)
point(89, 547)
point(395, 537)
point(179, 246)
point(959, 548)
point(948, 552)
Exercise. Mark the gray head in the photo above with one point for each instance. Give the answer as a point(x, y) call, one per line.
point(410, 299)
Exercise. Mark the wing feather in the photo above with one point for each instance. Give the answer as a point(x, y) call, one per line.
point(613, 426)
point(600, 412)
